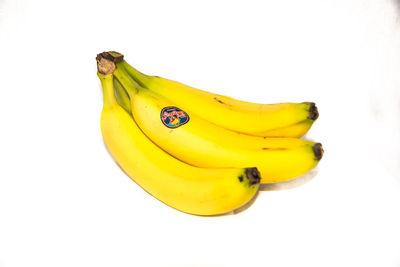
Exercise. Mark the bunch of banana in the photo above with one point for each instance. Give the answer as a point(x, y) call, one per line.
point(199, 152)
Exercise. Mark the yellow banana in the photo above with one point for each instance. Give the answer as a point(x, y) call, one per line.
point(201, 143)
point(297, 129)
point(186, 188)
point(239, 116)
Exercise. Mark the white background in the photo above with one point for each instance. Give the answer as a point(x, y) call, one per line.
point(64, 201)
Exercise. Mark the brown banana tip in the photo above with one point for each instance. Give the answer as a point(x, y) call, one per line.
point(253, 175)
point(313, 111)
point(318, 151)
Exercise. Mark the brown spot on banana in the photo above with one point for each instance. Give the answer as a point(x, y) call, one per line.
point(221, 102)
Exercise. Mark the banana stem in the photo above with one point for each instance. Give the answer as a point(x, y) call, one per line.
point(113, 62)
point(108, 90)
point(139, 77)
point(122, 96)
point(130, 85)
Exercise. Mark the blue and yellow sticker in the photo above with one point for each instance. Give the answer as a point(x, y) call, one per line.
point(173, 117)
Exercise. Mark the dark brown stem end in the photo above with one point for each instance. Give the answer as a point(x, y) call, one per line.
point(313, 111)
point(318, 151)
point(112, 56)
point(106, 61)
point(253, 175)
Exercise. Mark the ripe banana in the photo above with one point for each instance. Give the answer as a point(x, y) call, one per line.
point(298, 129)
point(198, 142)
point(181, 186)
point(236, 115)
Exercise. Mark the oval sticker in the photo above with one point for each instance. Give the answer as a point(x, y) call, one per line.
point(173, 117)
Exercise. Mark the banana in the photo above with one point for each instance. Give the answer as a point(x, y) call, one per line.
point(186, 188)
point(198, 142)
point(297, 129)
point(236, 115)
